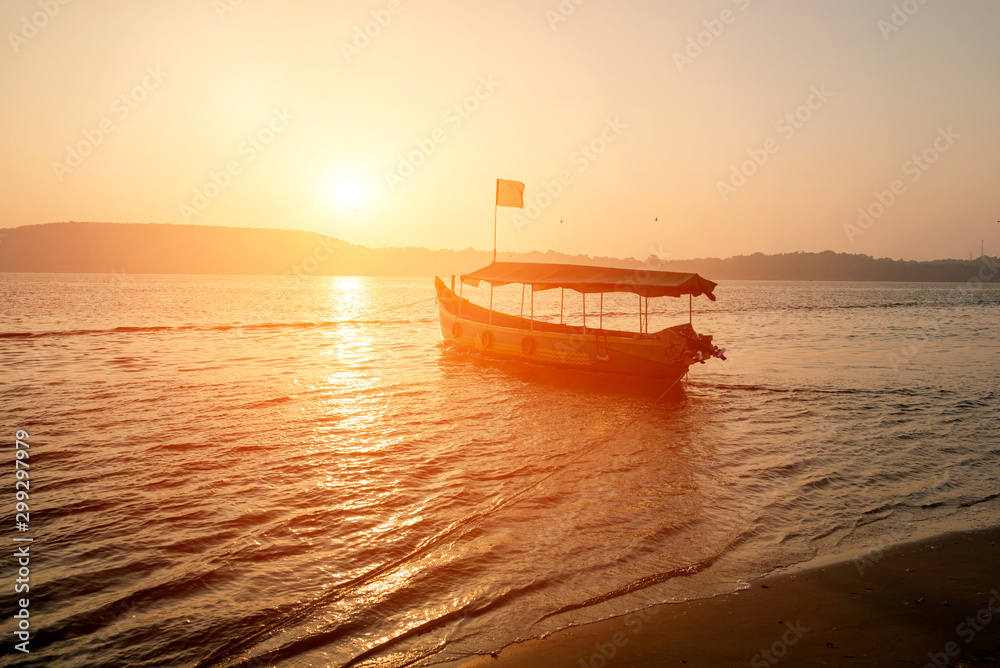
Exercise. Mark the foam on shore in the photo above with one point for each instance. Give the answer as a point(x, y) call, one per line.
point(934, 602)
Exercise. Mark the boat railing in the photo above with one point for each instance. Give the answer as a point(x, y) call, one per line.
point(472, 312)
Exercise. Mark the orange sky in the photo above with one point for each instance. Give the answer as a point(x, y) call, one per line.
point(741, 125)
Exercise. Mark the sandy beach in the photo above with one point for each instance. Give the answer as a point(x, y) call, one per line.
point(932, 603)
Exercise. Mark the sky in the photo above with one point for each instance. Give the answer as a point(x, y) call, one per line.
point(677, 128)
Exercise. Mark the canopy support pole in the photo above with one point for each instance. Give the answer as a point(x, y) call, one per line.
point(461, 284)
point(522, 301)
point(584, 312)
point(600, 323)
point(640, 314)
point(532, 326)
point(562, 293)
point(647, 315)
point(491, 304)
point(690, 309)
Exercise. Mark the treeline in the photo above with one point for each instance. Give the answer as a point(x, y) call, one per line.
point(196, 249)
point(830, 266)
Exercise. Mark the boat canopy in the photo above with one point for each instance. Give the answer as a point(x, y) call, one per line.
point(586, 279)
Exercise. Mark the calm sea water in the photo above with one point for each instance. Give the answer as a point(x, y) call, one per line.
point(217, 481)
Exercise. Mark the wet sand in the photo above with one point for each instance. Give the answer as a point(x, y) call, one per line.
point(934, 603)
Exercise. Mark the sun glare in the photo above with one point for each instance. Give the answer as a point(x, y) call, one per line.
point(347, 193)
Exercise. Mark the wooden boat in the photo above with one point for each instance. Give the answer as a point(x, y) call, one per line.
point(665, 354)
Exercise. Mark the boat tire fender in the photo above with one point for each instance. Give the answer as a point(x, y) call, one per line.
point(486, 339)
point(456, 330)
point(528, 345)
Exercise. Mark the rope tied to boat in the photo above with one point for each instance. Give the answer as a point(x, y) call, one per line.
point(341, 322)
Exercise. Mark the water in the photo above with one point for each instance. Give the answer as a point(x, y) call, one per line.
point(217, 481)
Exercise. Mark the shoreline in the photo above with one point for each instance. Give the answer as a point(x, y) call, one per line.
point(930, 602)
point(193, 249)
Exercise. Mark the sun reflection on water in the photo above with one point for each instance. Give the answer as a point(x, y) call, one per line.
point(347, 297)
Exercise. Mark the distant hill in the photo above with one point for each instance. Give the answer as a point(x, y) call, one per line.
point(195, 249)
point(830, 266)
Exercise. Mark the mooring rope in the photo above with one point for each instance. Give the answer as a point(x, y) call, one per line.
point(341, 322)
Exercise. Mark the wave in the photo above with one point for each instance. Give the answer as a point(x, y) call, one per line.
point(900, 391)
point(736, 539)
point(455, 531)
point(209, 328)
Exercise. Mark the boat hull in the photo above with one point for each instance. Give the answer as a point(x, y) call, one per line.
point(663, 355)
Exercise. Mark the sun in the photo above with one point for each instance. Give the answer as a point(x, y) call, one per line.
point(347, 192)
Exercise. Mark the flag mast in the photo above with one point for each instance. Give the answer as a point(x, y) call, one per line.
point(496, 205)
point(511, 195)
